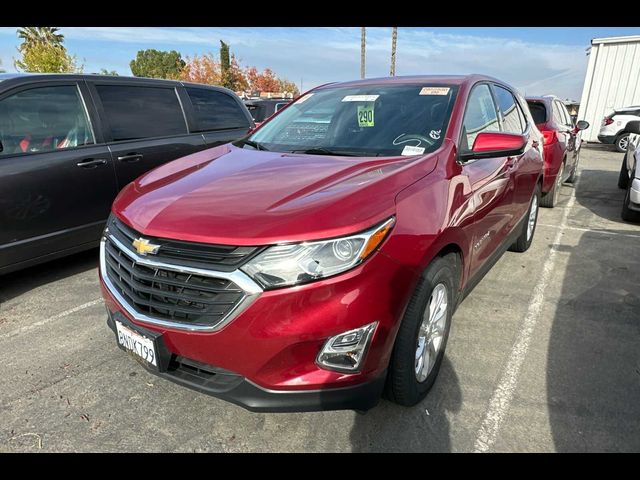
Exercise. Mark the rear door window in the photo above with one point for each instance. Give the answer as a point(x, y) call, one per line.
point(216, 110)
point(44, 119)
point(136, 112)
point(558, 117)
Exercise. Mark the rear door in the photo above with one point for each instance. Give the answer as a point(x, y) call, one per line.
point(56, 175)
point(144, 124)
point(219, 116)
point(491, 179)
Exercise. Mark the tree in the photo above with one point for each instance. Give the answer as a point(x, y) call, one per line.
point(104, 71)
point(288, 86)
point(153, 63)
point(2, 70)
point(265, 81)
point(225, 66)
point(202, 69)
point(34, 35)
point(46, 58)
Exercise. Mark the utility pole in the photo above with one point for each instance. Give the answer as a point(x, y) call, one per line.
point(363, 43)
point(394, 41)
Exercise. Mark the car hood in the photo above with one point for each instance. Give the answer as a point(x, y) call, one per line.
point(230, 195)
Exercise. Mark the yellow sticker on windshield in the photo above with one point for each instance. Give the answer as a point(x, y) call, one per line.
point(365, 115)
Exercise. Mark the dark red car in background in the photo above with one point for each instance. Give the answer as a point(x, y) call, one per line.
point(318, 261)
point(561, 144)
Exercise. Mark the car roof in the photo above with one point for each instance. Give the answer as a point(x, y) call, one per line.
point(412, 79)
point(542, 98)
point(21, 77)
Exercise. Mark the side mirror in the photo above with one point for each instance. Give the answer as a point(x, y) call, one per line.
point(582, 125)
point(492, 144)
point(633, 127)
point(1, 147)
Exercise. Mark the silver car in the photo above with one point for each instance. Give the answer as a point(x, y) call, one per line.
point(630, 175)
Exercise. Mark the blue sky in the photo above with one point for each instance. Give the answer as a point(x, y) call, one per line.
point(535, 60)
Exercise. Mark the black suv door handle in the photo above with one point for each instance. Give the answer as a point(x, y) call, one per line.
point(131, 157)
point(91, 162)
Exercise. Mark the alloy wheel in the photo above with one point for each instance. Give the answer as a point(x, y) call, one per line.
point(431, 333)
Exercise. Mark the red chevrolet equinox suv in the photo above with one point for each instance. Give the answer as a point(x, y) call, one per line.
point(316, 263)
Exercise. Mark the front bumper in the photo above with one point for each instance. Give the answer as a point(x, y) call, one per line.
point(267, 354)
point(236, 389)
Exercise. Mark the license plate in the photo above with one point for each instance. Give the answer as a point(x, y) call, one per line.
point(137, 344)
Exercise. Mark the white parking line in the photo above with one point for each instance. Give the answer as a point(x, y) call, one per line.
point(503, 394)
point(60, 315)
point(590, 230)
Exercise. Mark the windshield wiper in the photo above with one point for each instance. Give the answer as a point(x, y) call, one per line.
point(325, 151)
point(256, 145)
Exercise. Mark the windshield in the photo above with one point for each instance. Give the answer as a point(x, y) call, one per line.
point(369, 120)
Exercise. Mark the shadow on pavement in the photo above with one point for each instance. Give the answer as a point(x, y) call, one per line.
point(392, 428)
point(599, 193)
point(593, 361)
point(16, 283)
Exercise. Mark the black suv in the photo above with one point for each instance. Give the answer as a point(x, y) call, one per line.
point(69, 143)
point(261, 109)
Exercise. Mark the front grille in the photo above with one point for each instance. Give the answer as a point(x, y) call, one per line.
point(225, 258)
point(165, 294)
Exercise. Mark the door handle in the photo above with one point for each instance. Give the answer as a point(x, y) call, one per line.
point(131, 157)
point(91, 162)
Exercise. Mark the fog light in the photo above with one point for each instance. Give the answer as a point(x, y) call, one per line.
point(345, 352)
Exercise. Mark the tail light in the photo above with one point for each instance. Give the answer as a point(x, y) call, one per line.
point(607, 121)
point(549, 136)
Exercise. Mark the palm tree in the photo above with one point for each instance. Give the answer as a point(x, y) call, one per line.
point(33, 35)
point(394, 40)
point(363, 44)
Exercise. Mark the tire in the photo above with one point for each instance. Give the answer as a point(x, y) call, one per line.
point(407, 383)
point(525, 239)
point(628, 214)
point(551, 198)
point(621, 142)
point(623, 178)
point(574, 174)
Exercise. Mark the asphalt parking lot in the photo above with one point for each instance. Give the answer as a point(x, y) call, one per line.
point(543, 356)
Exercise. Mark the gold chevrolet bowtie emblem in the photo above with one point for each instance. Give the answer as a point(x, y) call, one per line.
point(143, 246)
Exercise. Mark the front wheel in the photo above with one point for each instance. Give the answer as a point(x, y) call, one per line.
point(628, 214)
point(422, 337)
point(523, 242)
point(623, 178)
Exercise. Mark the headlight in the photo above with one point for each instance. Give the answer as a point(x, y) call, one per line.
point(284, 265)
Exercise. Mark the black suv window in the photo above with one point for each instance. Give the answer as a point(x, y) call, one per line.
point(43, 119)
point(134, 111)
point(216, 110)
point(480, 116)
point(512, 118)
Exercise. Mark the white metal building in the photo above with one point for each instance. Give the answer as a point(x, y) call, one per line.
point(612, 80)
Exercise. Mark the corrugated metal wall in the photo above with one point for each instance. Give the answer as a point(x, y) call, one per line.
point(612, 81)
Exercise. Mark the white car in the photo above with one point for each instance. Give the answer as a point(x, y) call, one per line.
point(613, 129)
point(630, 174)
